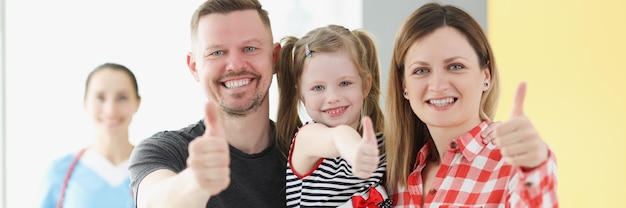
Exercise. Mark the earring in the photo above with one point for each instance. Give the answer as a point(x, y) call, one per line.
point(487, 84)
point(406, 94)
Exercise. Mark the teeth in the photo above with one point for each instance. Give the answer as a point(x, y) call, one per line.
point(442, 102)
point(334, 111)
point(236, 83)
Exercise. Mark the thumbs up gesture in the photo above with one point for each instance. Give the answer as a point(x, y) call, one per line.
point(517, 138)
point(366, 156)
point(209, 158)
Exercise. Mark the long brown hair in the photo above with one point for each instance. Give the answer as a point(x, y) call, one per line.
point(406, 133)
point(332, 38)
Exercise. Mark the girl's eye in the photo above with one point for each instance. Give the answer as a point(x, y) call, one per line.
point(345, 83)
point(249, 49)
point(318, 88)
point(455, 67)
point(100, 98)
point(122, 98)
point(421, 71)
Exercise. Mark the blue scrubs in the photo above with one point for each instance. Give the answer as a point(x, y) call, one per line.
point(94, 183)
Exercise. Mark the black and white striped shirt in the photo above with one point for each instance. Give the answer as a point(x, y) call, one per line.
point(331, 183)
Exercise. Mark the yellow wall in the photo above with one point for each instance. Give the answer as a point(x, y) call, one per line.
point(572, 53)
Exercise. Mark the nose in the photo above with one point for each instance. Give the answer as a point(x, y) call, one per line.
point(332, 96)
point(438, 81)
point(110, 108)
point(236, 61)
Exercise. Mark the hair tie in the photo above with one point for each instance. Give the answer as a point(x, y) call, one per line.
point(307, 51)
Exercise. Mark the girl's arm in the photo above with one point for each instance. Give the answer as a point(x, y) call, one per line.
point(315, 141)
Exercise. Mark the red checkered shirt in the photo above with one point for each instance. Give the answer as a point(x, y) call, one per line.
point(473, 174)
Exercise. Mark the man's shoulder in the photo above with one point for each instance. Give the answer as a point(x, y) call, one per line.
point(186, 133)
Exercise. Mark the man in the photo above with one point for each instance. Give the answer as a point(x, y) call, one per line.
point(231, 159)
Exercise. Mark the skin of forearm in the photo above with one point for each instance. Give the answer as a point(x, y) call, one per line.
point(346, 141)
point(180, 190)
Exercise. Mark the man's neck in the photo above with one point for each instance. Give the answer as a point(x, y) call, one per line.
point(249, 134)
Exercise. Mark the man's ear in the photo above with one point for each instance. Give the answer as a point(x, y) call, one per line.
point(191, 64)
point(275, 54)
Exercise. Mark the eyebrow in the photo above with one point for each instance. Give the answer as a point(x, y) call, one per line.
point(447, 60)
point(246, 42)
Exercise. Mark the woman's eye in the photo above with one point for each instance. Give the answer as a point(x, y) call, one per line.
point(455, 67)
point(421, 71)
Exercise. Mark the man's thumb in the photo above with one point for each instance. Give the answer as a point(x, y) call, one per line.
point(210, 119)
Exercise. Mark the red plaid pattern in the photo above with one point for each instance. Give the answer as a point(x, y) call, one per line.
point(473, 174)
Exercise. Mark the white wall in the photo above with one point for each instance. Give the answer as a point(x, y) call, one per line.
point(52, 45)
point(2, 109)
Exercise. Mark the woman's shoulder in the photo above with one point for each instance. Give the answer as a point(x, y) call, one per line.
point(59, 166)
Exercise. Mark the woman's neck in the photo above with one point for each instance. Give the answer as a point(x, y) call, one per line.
point(443, 135)
point(114, 147)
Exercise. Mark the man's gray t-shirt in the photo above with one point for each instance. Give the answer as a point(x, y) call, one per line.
point(256, 180)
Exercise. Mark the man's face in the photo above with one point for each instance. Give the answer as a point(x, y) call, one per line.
point(232, 60)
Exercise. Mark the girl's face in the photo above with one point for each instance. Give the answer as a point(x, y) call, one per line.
point(332, 89)
point(111, 100)
point(443, 79)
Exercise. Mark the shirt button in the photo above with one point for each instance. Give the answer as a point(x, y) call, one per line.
point(454, 145)
point(432, 191)
point(528, 184)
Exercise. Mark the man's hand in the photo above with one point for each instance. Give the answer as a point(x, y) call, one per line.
point(209, 158)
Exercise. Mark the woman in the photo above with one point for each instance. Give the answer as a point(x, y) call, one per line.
point(443, 90)
point(97, 176)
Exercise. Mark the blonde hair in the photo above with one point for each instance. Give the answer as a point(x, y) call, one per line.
point(333, 38)
point(406, 133)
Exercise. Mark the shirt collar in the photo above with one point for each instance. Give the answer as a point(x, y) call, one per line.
point(469, 144)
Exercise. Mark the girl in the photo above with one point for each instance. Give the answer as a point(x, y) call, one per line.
point(97, 176)
point(334, 72)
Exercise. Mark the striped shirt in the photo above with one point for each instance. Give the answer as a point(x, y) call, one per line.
point(330, 183)
point(473, 174)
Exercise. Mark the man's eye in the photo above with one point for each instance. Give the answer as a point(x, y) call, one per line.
point(249, 49)
point(217, 53)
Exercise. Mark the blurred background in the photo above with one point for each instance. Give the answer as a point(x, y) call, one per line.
point(569, 52)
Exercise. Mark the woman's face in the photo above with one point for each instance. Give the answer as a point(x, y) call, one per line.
point(443, 79)
point(111, 100)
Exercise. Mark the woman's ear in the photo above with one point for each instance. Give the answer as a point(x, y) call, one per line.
point(138, 104)
point(487, 78)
